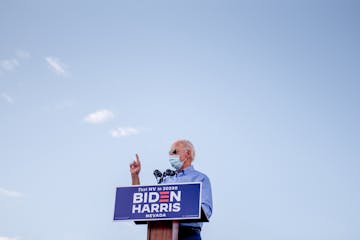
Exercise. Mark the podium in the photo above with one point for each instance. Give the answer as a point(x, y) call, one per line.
point(162, 207)
point(168, 229)
point(163, 230)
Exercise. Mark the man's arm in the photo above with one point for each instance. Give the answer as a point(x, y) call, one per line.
point(135, 168)
point(206, 202)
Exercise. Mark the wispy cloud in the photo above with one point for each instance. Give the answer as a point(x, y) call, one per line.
point(9, 64)
point(56, 65)
point(8, 193)
point(124, 132)
point(7, 98)
point(99, 116)
point(8, 238)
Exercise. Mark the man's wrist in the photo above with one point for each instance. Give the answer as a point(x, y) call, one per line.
point(135, 180)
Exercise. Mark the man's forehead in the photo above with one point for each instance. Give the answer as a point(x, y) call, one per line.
point(176, 145)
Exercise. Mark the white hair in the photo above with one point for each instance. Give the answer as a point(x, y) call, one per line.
point(188, 146)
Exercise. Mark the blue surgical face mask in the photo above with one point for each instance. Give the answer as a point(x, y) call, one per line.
point(175, 161)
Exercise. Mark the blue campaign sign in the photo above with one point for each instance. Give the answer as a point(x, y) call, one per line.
point(158, 202)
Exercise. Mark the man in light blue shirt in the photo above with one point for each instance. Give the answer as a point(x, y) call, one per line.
point(181, 156)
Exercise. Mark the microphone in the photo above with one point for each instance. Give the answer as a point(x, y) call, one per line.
point(158, 175)
point(169, 172)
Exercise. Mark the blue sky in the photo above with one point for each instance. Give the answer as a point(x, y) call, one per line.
point(268, 92)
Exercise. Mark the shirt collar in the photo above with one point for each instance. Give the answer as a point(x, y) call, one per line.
point(186, 170)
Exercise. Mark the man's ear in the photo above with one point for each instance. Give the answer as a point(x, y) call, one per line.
point(188, 153)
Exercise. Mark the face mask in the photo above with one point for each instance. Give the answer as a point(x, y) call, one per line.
point(175, 161)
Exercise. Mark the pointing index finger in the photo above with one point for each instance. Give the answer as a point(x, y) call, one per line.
point(137, 160)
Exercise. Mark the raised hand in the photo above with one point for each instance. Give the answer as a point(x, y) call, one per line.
point(135, 168)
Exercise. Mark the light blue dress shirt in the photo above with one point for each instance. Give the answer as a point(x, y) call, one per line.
point(189, 174)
